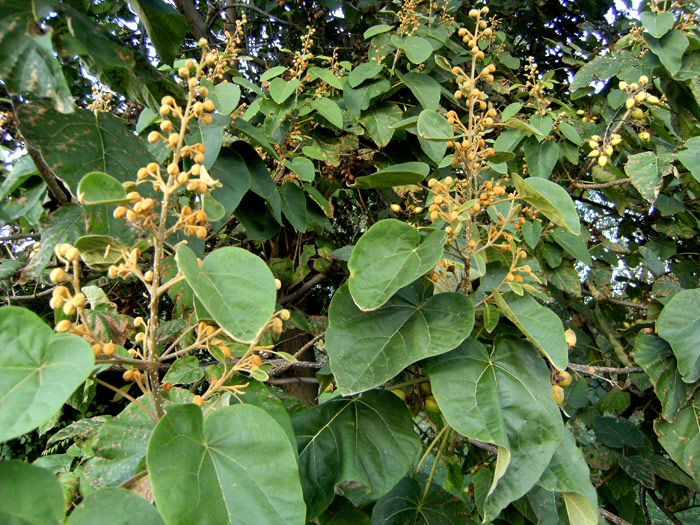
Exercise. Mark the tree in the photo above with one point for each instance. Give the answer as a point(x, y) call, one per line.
point(360, 261)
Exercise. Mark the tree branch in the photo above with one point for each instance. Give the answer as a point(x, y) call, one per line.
point(592, 370)
point(197, 25)
point(666, 511)
point(303, 289)
point(46, 174)
point(617, 520)
point(602, 185)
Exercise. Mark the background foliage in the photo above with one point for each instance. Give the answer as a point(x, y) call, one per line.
point(349, 262)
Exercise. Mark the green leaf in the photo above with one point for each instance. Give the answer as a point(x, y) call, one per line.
point(395, 175)
point(570, 133)
point(511, 110)
point(368, 348)
point(417, 49)
point(99, 188)
point(319, 199)
point(654, 355)
point(568, 474)
point(232, 172)
point(281, 90)
point(39, 370)
point(263, 396)
point(617, 433)
point(491, 317)
point(27, 59)
point(376, 30)
point(367, 439)
point(326, 75)
point(521, 125)
point(639, 469)
point(82, 142)
point(294, 205)
point(669, 49)
point(657, 24)
point(433, 133)
point(689, 156)
point(364, 72)
point(261, 182)
point(538, 323)
point(601, 68)
point(329, 110)
point(425, 88)
point(302, 167)
point(235, 286)
point(550, 199)
point(679, 324)
point(543, 124)
point(500, 396)
point(254, 134)
point(99, 252)
point(532, 232)
point(681, 439)
point(119, 504)
point(541, 157)
point(211, 135)
point(225, 96)
point(406, 504)
point(357, 100)
point(574, 244)
point(184, 371)
point(166, 27)
point(29, 494)
point(272, 73)
point(379, 122)
point(643, 169)
point(65, 224)
point(565, 278)
point(238, 458)
point(390, 255)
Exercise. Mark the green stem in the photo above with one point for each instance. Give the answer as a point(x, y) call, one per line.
point(430, 447)
point(445, 440)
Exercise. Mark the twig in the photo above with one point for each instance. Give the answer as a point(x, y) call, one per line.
point(612, 300)
point(486, 446)
point(262, 12)
point(601, 185)
point(303, 289)
point(134, 478)
point(308, 345)
point(20, 236)
point(127, 396)
point(292, 380)
point(37, 295)
point(591, 370)
point(617, 520)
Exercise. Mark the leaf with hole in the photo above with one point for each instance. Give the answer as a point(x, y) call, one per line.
point(367, 439)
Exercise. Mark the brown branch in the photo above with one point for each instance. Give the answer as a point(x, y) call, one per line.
point(666, 511)
point(196, 23)
point(46, 174)
point(592, 370)
point(617, 520)
point(286, 365)
point(43, 293)
point(20, 236)
point(230, 5)
point(612, 300)
point(303, 289)
point(602, 185)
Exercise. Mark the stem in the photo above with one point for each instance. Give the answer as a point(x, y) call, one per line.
point(445, 440)
point(124, 394)
point(430, 447)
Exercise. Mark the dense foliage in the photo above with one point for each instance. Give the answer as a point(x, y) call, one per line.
point(349, 262)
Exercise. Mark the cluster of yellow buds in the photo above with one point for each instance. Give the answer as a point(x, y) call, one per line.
point(219, 62)
point(140, 211)
point(586, 117)
point(193, 222)
point(466, 86)
point(490, 193)
point(482, 31)
point(638, 94)
point(603, 148)
point(62, 298)
point(107, 349)
point(301, 58)
point(101, 101)
point(129, 267)
point(516, 275)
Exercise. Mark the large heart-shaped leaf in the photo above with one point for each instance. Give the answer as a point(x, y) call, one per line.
point(368, 439)
point(119, 504)
point(540, 324)
point(568, 473)
point(425, 88)
point(657, 24)
point(379, 122)
point(39, 370)
point(29, 494)
point(368, 348)
point(541, 156)
point(500, 396)
point(654, 355)
point(396, 175)
point(235, 286)
point(236, 466)
point(389, 256)
point(679, 324)
point(550, 199)
point(406, 504)
point(166, 27)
